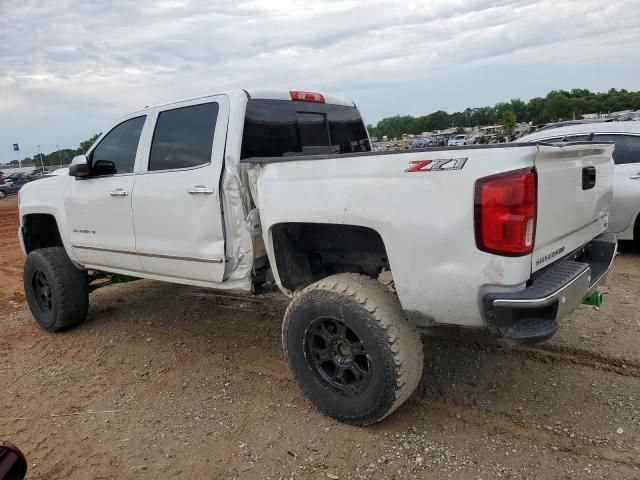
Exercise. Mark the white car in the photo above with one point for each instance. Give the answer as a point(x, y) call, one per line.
point(241, 189)
point(457, 140)
point(623, 219)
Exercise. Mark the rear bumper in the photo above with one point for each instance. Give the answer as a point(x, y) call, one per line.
point(532, 314)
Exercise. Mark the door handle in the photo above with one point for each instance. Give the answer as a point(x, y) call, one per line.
point(118, 192)
point(200, 189)
point(635, 177)
point(588, 178)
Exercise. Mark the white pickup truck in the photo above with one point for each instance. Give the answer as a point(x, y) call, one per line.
point(248, 188)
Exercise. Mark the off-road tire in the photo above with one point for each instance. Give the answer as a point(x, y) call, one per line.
point(68, 299)
point(374, 314)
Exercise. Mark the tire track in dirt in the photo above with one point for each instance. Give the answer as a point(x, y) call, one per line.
point(579, 356)
point(503, 424)
point(554, 354)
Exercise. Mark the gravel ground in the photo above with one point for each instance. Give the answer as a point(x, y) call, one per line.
point(167, 381)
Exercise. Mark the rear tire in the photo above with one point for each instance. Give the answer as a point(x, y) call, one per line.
point(57, 292)
point(3, 194)
point(351, 348)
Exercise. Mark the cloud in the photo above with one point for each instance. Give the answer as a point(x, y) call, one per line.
point(68, 69)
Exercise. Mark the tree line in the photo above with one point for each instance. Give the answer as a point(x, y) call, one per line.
point(57, 157)
point(557, 105)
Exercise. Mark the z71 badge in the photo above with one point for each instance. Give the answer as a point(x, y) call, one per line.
point(436, 165)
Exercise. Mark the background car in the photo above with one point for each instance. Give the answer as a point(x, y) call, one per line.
point(420, 143)
point(623, 219)
point(38, 173)
point(457, 140)
point(17, 179)
point(7, 189)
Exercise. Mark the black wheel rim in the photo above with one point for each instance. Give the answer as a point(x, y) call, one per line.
point(337, 356)
point(42, 291)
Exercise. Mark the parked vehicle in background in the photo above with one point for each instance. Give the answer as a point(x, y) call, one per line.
point(17, 179)
point(457, 140)
point(244, 189)
point(7, 189)
point(420, 143)
point(624, 219)
point(38, 172)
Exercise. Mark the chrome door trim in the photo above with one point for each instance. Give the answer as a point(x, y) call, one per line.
point(143, 254)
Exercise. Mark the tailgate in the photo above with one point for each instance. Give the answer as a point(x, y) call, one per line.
point(575, 187)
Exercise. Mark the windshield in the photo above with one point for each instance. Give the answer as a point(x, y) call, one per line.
point(276, 128)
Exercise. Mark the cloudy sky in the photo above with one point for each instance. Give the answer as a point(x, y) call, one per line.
point(70, 68)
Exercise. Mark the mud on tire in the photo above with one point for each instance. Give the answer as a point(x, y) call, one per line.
point(351, 348)
point(57, 292)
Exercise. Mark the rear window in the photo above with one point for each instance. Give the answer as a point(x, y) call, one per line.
point(276, 128)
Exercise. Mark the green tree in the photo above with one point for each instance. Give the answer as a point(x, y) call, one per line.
point(519, 108)
point(437, 121)
point(557, 105)
point(84, 146)
point(508, 121)
point(484, 116)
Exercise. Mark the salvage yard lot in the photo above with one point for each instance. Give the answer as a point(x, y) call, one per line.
point(167, 381)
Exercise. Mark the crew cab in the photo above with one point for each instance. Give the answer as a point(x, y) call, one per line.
point(244, 189)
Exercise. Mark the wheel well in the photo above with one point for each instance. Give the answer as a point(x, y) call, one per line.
point(40, 230)
point(307, 252)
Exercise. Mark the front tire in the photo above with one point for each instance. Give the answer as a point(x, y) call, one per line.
point(57, 292)
point(351, 348)
point(3, 194)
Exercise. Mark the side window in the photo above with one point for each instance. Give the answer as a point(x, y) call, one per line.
point(116, 152)
point(627, 147)
point(183, 137)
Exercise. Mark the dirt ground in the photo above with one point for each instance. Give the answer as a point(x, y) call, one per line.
point(167, 381)
point(11, 259)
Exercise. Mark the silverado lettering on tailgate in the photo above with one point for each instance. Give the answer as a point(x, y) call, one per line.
point(549, 256)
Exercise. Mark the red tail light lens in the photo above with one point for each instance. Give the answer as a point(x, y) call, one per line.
point(505, 212)
point(306, 96)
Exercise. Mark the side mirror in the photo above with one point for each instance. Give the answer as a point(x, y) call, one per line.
point(79, 167)
point(13, 465)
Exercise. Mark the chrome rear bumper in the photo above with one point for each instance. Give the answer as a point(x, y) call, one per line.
point(532, 314)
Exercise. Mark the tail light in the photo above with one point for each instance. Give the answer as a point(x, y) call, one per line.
point(299, 96)
point(505, 212)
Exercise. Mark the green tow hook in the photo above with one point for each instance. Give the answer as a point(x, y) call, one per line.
point(594, 299)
